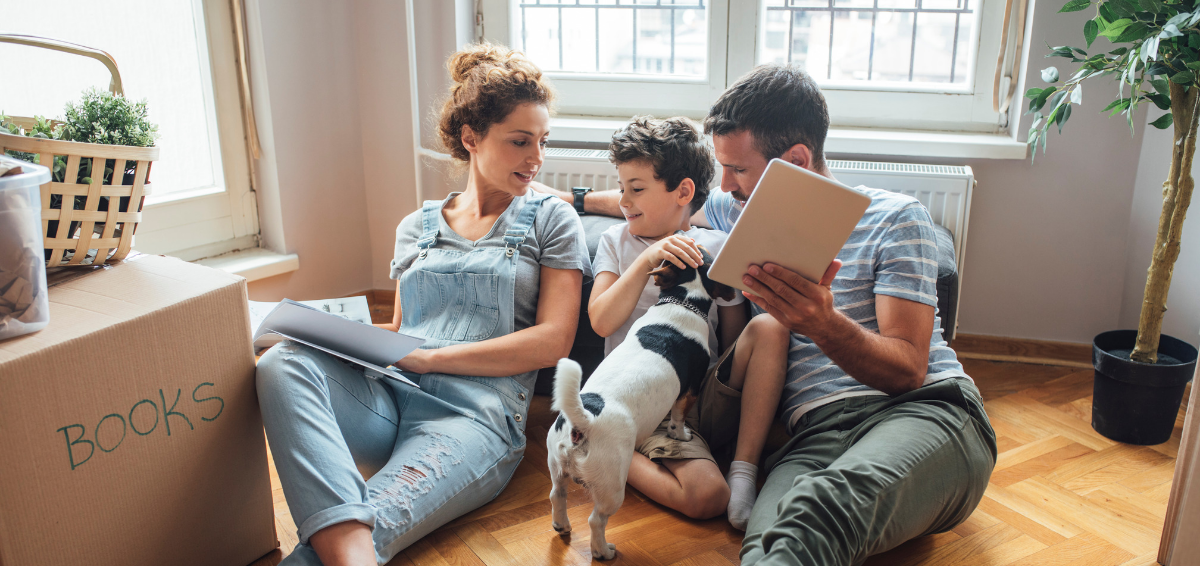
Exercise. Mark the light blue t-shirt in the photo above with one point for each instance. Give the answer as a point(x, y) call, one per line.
point(892, 251)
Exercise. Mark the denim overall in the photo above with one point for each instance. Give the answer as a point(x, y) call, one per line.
point(436, 452)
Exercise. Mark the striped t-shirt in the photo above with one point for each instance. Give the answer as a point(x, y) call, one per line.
point(892, 251)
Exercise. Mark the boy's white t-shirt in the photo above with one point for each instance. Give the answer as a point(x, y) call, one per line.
point(618, 250)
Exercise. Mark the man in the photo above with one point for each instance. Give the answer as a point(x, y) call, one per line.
point(889, 437)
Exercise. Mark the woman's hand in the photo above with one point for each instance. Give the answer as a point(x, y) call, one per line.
point(419, 361)
point(679, 250)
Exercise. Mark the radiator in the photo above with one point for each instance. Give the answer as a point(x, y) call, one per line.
point(945, 190)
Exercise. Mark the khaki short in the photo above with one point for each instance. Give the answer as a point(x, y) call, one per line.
point(715, 417)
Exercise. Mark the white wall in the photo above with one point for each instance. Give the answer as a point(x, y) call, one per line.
point(1183, 303)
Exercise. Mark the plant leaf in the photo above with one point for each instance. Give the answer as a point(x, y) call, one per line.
point(1075, 6)
point(1169, 31)
point(1077, 94)
point(1033, 92)
point(1161, 86)
point(1063, 116)
point(1148, 49)
point(1179, 20)
point(1163, 121)
point(1108, 14)
point(1090, 29)
point(1117, 105)
point(1153, 6)
point(1050, 74)
point(1183, 77)
point(1162, 101)
point(1133, 32)
point(1113, 29)
point(1122, 8)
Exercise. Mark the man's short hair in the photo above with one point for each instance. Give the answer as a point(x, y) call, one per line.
point(674, 147)
point(780, 105)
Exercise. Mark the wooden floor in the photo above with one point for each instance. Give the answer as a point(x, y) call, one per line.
point(1060, 494)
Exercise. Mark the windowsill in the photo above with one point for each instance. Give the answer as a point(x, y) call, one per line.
point(253, 263)
point(856, 141)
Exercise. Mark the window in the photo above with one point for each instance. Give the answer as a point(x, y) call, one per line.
point(863, 42)
point(620, 57)
point(178, 57)
point(882, 63)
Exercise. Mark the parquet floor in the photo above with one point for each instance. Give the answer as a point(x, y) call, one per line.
point(1060, 494)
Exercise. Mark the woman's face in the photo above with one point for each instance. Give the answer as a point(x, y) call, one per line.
point(509, 156)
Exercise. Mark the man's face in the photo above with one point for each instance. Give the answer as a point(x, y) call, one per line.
point(741, 163)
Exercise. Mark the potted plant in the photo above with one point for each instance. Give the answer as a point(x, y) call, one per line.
point(91, 147)
point(1155, 58)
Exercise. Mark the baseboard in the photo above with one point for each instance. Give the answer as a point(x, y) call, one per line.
point(1004, 349)
point(968, 346)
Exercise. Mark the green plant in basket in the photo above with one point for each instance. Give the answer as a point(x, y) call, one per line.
point(43, 129)
point(1154, 56)
point(98, 117)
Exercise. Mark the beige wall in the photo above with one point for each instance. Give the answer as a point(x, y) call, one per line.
point(1045, 252)
point(309, 65)
point(1046, 258)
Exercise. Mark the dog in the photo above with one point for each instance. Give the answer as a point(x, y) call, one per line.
point(658, 368)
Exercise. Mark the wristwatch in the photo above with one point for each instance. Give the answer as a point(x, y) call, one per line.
point(579, 193)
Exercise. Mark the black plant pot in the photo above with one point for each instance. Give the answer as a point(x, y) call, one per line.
point(1137, 403)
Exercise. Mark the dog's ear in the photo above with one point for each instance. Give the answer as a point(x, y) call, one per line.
point(665, 275)
point(723, 291)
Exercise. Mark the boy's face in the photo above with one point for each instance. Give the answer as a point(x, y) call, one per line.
point(651, 210)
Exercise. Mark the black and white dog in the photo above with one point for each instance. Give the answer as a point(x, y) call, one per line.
point(658, 368)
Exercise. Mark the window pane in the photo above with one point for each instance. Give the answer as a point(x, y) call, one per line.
point(157, 51)
point(644, 37)
point(923, 42)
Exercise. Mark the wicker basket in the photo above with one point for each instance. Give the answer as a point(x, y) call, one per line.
point(86, 221)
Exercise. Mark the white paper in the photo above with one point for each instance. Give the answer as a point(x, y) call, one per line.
point(360, 343)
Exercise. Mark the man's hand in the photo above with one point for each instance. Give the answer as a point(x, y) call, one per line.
point(800, 305)
point(894, 360)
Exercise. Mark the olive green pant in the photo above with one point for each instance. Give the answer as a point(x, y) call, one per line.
point(865, 474)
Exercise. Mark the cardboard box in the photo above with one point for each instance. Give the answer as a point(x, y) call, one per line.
point(129, 427)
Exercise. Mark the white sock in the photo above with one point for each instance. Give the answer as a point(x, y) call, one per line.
point(743, 490)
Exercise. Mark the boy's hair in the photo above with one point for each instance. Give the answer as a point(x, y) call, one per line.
point(780, 105)
point(674, 147)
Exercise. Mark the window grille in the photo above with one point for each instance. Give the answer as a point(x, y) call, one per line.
point(904, 41)
point(639, 37)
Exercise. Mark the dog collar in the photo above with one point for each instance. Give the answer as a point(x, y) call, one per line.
point(684, 304)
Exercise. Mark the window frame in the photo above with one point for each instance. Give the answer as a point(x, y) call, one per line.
point(952, 109)
point(212, 220)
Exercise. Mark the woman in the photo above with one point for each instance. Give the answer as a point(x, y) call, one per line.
point(491, 277)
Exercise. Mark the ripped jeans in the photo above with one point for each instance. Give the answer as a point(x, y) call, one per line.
point(431, 454)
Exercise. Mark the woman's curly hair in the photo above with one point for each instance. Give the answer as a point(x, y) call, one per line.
point(489, 82)
point(673, 146)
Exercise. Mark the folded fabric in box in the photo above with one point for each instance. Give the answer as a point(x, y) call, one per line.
point(23, 307)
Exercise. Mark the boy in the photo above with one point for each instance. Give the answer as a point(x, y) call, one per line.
point(664, 167)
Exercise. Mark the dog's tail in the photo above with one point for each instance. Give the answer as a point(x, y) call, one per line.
point(566, 394)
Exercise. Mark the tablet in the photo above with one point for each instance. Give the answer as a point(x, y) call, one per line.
point(794, 218)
